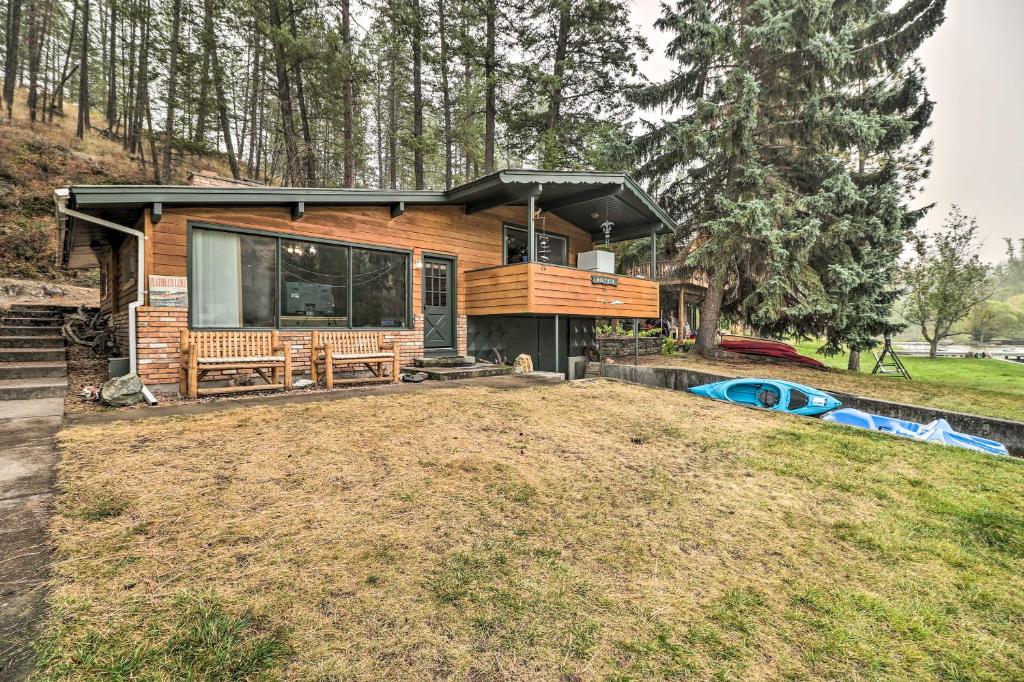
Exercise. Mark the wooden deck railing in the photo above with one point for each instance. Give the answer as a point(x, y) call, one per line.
point(670, 272)
point(537, 289)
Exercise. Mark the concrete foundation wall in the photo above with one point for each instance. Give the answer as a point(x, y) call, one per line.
point(1010, 433)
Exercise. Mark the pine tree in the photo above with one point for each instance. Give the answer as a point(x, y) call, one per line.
point(778, 104)
point(582, 55)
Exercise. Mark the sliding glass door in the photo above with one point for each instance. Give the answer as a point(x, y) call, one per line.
point(240, 280)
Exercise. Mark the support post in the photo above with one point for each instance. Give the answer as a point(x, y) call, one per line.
point(681, 335)
point(531, 230)
point(556, 343)
point(654, 252)
point(636, 341)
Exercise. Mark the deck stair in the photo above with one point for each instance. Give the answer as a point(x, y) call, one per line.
point(33, 362)
point(455, 367)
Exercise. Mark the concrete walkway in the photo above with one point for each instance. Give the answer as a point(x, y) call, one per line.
point(33, 371)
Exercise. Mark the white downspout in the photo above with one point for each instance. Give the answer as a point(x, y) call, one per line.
point(140, 283)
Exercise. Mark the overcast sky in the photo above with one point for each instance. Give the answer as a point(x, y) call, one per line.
point(975, 63)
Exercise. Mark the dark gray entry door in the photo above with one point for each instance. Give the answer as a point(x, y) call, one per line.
point(438, 303)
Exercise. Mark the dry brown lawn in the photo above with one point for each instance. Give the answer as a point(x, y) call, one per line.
point(590, 530)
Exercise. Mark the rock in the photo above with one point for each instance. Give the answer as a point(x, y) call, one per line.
point(523, 364)
point(122, 391)
point(415, 378)
point(51, 290)
point(12, 290)
point(302, 383)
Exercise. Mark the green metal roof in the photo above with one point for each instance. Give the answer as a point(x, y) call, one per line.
point(585, 199)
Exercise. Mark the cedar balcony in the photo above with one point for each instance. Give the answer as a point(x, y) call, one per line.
point(540, 289)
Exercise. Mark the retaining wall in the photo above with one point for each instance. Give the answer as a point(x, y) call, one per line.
point(1010, 433)
point(624, 346)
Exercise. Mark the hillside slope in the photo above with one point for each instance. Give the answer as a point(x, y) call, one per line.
point(37, 158)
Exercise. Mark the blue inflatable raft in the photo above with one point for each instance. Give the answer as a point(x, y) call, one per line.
point(770, 394)
point(938, 431)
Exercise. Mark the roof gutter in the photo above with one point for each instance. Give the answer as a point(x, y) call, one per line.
point(140, 286)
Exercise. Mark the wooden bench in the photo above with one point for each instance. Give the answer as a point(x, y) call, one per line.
point(203, 352)
point(331, 349)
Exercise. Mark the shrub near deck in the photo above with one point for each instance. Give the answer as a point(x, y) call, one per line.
point(593, 530)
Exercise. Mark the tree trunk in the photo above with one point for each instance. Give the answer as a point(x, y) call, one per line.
point(11, 53)
point(555, 101)
point(83, 76)
point(308, 155)
point(446, 99)
point(284, 96)
point(34, 55)
point(710, 311)
point(203, 110)
point(490, 104)
point(112, 69)
point(933, 347)
point(210, 40)
point(348, 175)
point(853, 362)
point(172, 89)
point(393, 122)
point(417, 96)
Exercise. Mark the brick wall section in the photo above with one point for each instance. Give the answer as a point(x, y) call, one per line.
point(120, 322)
point(159, 328)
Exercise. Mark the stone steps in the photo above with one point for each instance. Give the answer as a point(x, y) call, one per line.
point(8, 354)
point(461, 372)
point(11, 330)
point(28, 389)
point(38, 342)
point(32, 370)
point(19, 320)
point(447, 361)
point(25, 311)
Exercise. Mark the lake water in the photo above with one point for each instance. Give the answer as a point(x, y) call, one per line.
point(921, 348)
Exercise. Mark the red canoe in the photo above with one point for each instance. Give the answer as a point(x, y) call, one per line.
point(767, 348)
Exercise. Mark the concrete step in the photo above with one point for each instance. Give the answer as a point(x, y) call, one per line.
point(40, 342)
point(27, 330)
point(466, 372)
point(447, 361)
point(35, 311)
point(8, 354)
point(32, 370)
point(16, 320)
point(25, 389)
point(32, 407)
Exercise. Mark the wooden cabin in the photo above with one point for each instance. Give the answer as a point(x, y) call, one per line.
point(487, 269)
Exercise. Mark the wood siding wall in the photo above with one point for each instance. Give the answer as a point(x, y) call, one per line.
point(532, 288)
point(475, 239)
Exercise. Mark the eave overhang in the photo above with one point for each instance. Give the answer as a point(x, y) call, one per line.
point(585, 199)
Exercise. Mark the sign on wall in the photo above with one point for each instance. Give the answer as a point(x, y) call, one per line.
point(168, 292)
point(604, 279)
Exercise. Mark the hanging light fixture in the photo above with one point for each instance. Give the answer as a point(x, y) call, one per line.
point(543, 243)
point(607, 225)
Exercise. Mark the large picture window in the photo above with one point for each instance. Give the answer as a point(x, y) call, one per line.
point(551, 248)
point(243, 280)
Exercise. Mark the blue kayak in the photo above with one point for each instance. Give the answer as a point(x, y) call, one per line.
point(770, 394)
point(938, 431)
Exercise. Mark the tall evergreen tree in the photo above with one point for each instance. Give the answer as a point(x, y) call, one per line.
point(777, 104)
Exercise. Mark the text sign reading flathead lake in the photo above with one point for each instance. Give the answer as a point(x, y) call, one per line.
point(604, 279)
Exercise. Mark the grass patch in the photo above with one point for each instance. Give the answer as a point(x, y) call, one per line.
point(541, 541)
point(194, 638)
point(983, 386)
